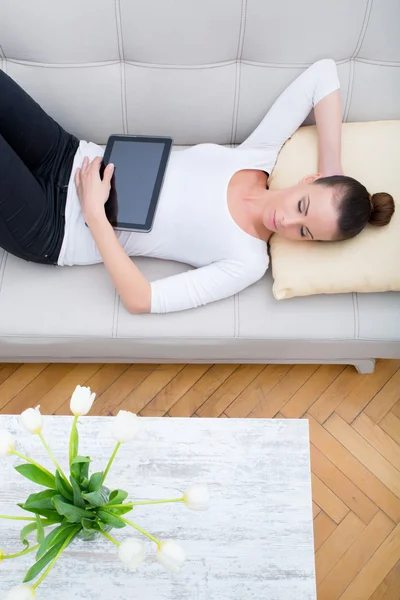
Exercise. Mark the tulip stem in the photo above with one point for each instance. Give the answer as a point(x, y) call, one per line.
point(110, 462)
point(126, 505)
point(26, 551)
point(146, 533)
point(157, 501)
point(16, 518)
point(71, 439)
point(109, 538)
point(54, 460)
point(51, 565)
point(132, 504)
point(29, 460)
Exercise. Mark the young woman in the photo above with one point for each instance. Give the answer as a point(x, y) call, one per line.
point(215, 211)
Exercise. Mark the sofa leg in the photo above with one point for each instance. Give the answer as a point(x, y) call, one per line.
point(365, 366)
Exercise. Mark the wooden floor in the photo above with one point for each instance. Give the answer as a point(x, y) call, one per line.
point(354, 430)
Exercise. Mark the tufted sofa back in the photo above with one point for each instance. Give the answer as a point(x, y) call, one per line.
point(204, 71)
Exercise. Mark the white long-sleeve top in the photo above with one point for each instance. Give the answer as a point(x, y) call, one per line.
point(193, 224)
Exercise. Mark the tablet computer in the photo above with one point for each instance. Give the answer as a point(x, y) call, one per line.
point(140, 163)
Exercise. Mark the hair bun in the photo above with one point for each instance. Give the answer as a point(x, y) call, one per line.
point(382, 209)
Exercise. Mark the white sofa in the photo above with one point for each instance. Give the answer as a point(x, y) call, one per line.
point(204, 71)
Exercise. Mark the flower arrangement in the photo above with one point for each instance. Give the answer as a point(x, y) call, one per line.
point(81, 506)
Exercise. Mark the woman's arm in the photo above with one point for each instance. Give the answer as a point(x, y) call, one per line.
point(190, 289)
point(317, 87)
point(328, 118)
point(132, 286)
point(204, 285)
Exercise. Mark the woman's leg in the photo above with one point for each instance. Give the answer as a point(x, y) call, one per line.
point(36, 156)
point(32, 134)
point(23, 208)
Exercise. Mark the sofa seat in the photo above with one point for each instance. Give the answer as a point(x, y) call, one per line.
point(74, 314)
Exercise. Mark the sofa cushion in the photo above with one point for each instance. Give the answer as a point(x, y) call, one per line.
point(316, 318)
point(370, 261)
point(49, 301)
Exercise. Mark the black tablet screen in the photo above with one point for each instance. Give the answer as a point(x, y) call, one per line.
point(137, 166)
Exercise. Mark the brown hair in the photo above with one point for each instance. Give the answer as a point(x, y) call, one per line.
point(356, 207)
point(382, 209)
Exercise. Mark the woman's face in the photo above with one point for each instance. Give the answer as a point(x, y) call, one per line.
point(303, 212)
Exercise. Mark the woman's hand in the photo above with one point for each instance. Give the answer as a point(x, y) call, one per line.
point(92, 191)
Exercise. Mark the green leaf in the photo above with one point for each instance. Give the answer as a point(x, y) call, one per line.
point(85, 475)
point(52, 516)
point(42, 562)
point(110, 519)
point(95, 482)
point(59, 534)
point(73, 514)
point(81, 459)
point(40, 530)
point(28, 529)
point(117, 497)
point(62, 487)
point(84, 483)
point(25, 531)
point(89, 525)
point(76, 471)
point(119, 511)
point(40, 500)
point(90, 528)
point(103, 526)
point(80, 467)
point(49, 556)
point(73, 443)
point(37, 475)
point(78, 500)
point(52, 520)
point(96, 498)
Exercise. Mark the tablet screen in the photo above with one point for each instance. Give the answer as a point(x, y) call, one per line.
point(139, 167)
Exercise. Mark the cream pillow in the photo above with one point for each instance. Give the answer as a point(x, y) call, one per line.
point(369, 262)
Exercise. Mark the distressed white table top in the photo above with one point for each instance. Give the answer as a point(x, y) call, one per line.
point(255, 542)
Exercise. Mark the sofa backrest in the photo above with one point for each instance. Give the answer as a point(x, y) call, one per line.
point(201, 71)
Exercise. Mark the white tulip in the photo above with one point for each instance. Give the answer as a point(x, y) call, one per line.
point(6, 443)
point(171, 555)
point(131, 553)
point(32, 420)
point(125, 426)
point(81, 401)
point(21, 592)
point(197, 497)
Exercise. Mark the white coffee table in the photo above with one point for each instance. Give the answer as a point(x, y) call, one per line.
point(255, 542)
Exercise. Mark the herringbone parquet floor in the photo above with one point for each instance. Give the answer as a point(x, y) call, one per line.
point(354, 431)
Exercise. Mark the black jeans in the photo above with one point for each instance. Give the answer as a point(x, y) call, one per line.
point(36, 157)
